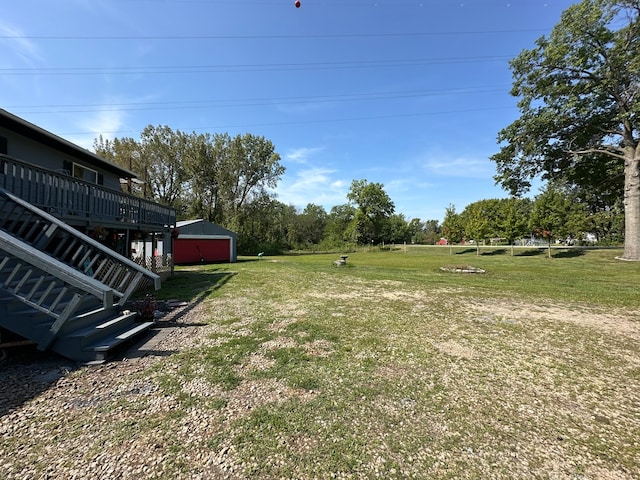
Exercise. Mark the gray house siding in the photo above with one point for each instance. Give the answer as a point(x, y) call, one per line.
point(20, 147)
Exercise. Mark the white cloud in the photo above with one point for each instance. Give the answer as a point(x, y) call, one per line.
point(315, 185)
point(104, 122)
point(409, 184)
point(301, 155)
point(26, 50)
point(460, 167)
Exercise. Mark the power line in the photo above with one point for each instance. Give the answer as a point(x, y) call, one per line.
point(306, 122)
point(251, 102)
point(187, 69)
point(269, 37)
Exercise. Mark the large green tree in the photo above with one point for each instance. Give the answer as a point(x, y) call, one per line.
point(308, 227)
point(228, 173)
point(556, 214)
point(513, 219)
point(215, 176)
point(579, 100)
point(163, 153)
point(373, 210)
point(396, 229)
point(158, 158)
point(336, 231)
point(126, 153)
point(478, 219)
point(452, 226)
point(207, 174)
point(254, 167)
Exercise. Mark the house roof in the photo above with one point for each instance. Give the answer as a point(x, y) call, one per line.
point(29, 130)
point(202, 227)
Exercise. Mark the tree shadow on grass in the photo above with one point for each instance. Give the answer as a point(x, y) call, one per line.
point(534, 252)
point(573, 253)
point(498, 251)
point(466, 250)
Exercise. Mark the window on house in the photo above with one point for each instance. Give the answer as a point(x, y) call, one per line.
point(4, 145)
point(84, 173)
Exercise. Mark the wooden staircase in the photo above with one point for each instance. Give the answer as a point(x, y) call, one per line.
point(62, 289)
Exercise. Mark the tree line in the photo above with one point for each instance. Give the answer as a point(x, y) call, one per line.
point(558, 213)
point(229, 181)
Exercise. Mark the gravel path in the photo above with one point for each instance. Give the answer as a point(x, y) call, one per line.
point(58, 419)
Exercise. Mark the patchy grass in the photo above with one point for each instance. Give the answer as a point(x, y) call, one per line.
point(390, 368)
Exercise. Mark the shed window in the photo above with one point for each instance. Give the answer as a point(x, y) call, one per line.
point(84, 173)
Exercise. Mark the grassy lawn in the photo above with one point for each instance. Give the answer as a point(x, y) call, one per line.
point(389, 367)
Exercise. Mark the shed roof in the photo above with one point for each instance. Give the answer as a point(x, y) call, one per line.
point(29, 130)
point(202, 227)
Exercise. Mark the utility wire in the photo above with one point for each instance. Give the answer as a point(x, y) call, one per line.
point(188, 69)
point(197, 68)
point(304, 122)
point(251, 102)
point(269, 37)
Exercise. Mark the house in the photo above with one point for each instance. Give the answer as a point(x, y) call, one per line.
point(66, 231)
point(200, 241)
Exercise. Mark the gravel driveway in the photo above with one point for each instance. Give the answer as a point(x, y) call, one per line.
point(43, 397)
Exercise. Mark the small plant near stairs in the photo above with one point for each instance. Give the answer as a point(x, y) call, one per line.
point(146, 308)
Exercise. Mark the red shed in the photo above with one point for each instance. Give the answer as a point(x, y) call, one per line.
point(201, 241)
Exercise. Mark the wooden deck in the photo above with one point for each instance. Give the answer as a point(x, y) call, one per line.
point(82, 203)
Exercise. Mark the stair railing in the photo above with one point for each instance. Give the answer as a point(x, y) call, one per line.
point(62, 242)
point(46, 284)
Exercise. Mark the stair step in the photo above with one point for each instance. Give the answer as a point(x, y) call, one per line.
point(106, 325)
point(103, 327)
point(107, 344)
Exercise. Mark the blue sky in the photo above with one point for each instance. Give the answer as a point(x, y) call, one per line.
point(407, 93)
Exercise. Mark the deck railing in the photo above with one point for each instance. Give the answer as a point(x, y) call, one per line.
point(71, 198)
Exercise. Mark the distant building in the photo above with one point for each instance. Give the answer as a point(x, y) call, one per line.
point(200, 241)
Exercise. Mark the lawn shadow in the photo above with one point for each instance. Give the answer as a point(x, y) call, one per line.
point(531, 253)
point(194, 285)
point(27, 372)
point(498, 251)
point(573, 253)
point(467, 250)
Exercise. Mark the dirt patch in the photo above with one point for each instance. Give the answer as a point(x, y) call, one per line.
point(280, 342)
point(622, 323)
point(319, 348)
point(256, 362)
point(456, 349)
point(251, 394)
point(461, 269)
